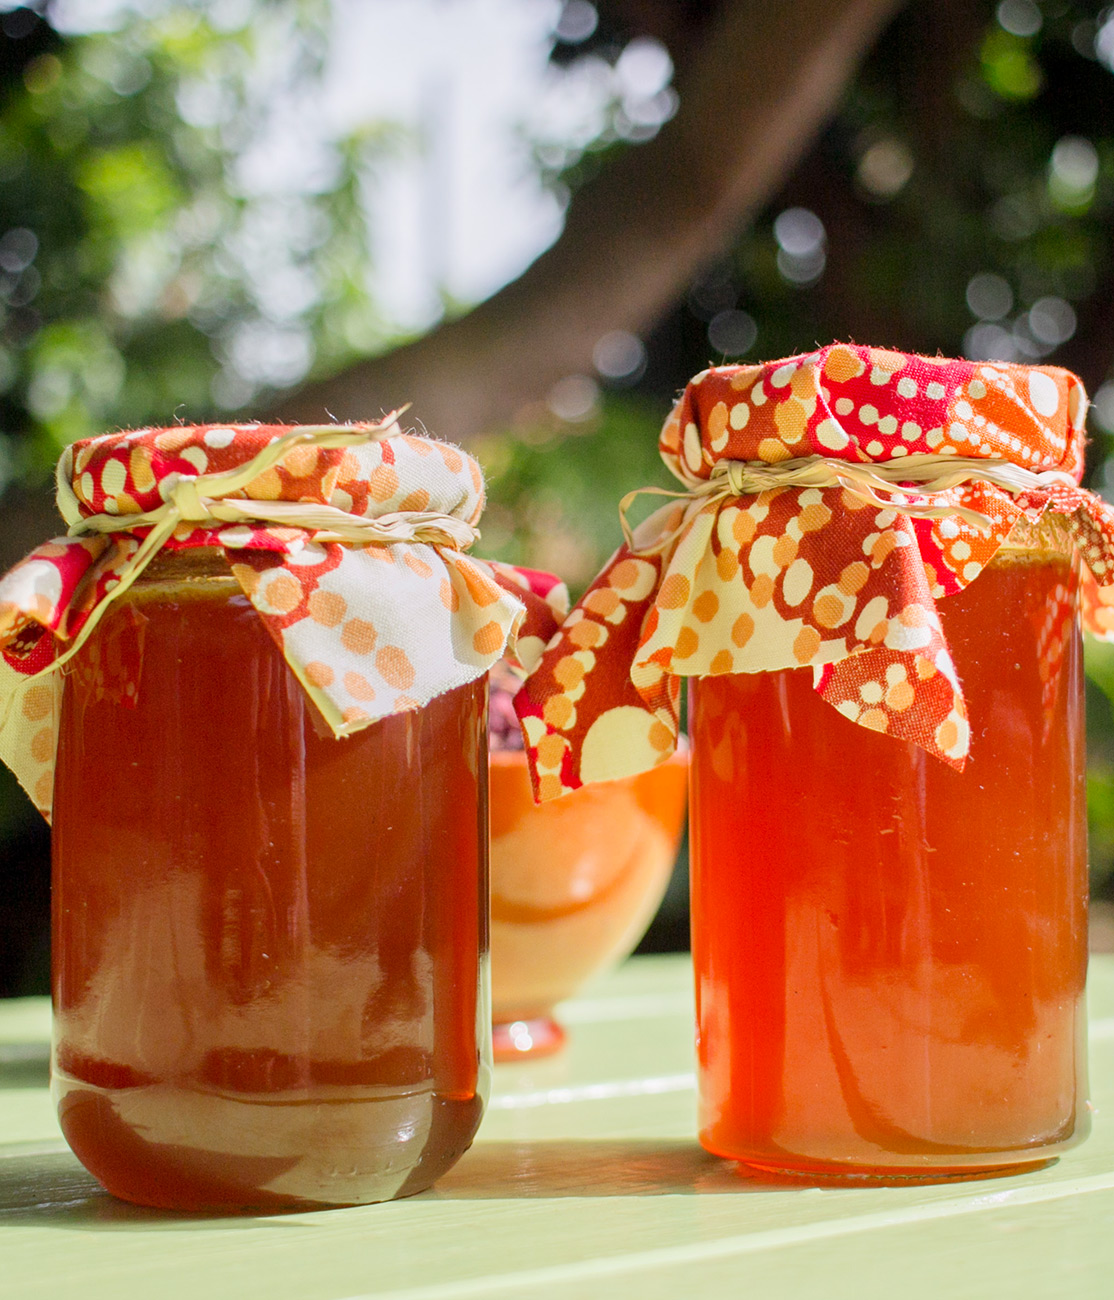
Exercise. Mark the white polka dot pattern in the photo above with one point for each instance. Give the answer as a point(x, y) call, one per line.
point(369, 630)
point(811, 576)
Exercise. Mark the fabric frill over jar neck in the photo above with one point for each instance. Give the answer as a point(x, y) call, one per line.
point(349, 541)
point(828, 502)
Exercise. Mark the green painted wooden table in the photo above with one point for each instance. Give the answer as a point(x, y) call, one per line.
point(586, 1181)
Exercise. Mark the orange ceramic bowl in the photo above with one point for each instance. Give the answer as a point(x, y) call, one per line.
point(574, 884)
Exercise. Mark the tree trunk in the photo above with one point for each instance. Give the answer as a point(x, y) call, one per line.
point(764, 80)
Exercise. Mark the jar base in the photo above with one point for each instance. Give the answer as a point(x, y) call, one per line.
point(528, 1039)
point(201, 1152)
point(834, 1175)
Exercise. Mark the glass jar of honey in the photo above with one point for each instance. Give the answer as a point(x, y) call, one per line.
point(890, 955)
point(266, 767)
point(873, 579)
point(270, 944)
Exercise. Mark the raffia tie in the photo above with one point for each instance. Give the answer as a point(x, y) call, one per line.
point(207, 499)
point(888, 484)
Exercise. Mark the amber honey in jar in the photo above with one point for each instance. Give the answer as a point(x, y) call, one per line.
point(872, 578)
point(268, 790)
point(890, 955)
point(270, 944)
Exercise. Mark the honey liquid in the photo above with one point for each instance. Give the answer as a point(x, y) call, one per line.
point(890, 955)
point(269, 944)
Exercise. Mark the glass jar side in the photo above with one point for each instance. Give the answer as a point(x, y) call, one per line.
point(890, 956)
point(270, 945)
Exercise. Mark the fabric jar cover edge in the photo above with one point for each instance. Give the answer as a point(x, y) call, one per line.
point(790, 577)
point(369, 629)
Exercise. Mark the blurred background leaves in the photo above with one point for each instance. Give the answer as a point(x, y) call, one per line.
point(143, 272)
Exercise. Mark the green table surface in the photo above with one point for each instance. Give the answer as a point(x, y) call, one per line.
point(585, 1181)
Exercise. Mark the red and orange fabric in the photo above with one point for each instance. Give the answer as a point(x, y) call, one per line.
point(349, 542)
point(782, 553)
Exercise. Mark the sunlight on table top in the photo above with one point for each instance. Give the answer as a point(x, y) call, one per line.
point(586, 1181)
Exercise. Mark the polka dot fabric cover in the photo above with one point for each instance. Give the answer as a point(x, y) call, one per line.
point(369, 630)
point(796, 577)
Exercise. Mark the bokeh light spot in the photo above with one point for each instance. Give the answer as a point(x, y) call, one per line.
point(732, 332)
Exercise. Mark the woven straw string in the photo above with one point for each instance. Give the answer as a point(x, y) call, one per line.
point(204, 500)
point(880, 483)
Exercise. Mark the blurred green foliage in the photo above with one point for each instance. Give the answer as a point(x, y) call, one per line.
point(553, 487)
point(139, 275)
point(1100, 763)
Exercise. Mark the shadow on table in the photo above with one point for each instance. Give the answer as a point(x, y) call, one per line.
point(50, 1189)
point(627, 1167)
point(636, 1167)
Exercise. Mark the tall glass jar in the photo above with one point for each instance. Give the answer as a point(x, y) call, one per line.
point(270, 945)
point(890, 954)
point(873, 579)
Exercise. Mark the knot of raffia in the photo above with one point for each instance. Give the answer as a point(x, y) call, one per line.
point(913, 485)
point(207, 499)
